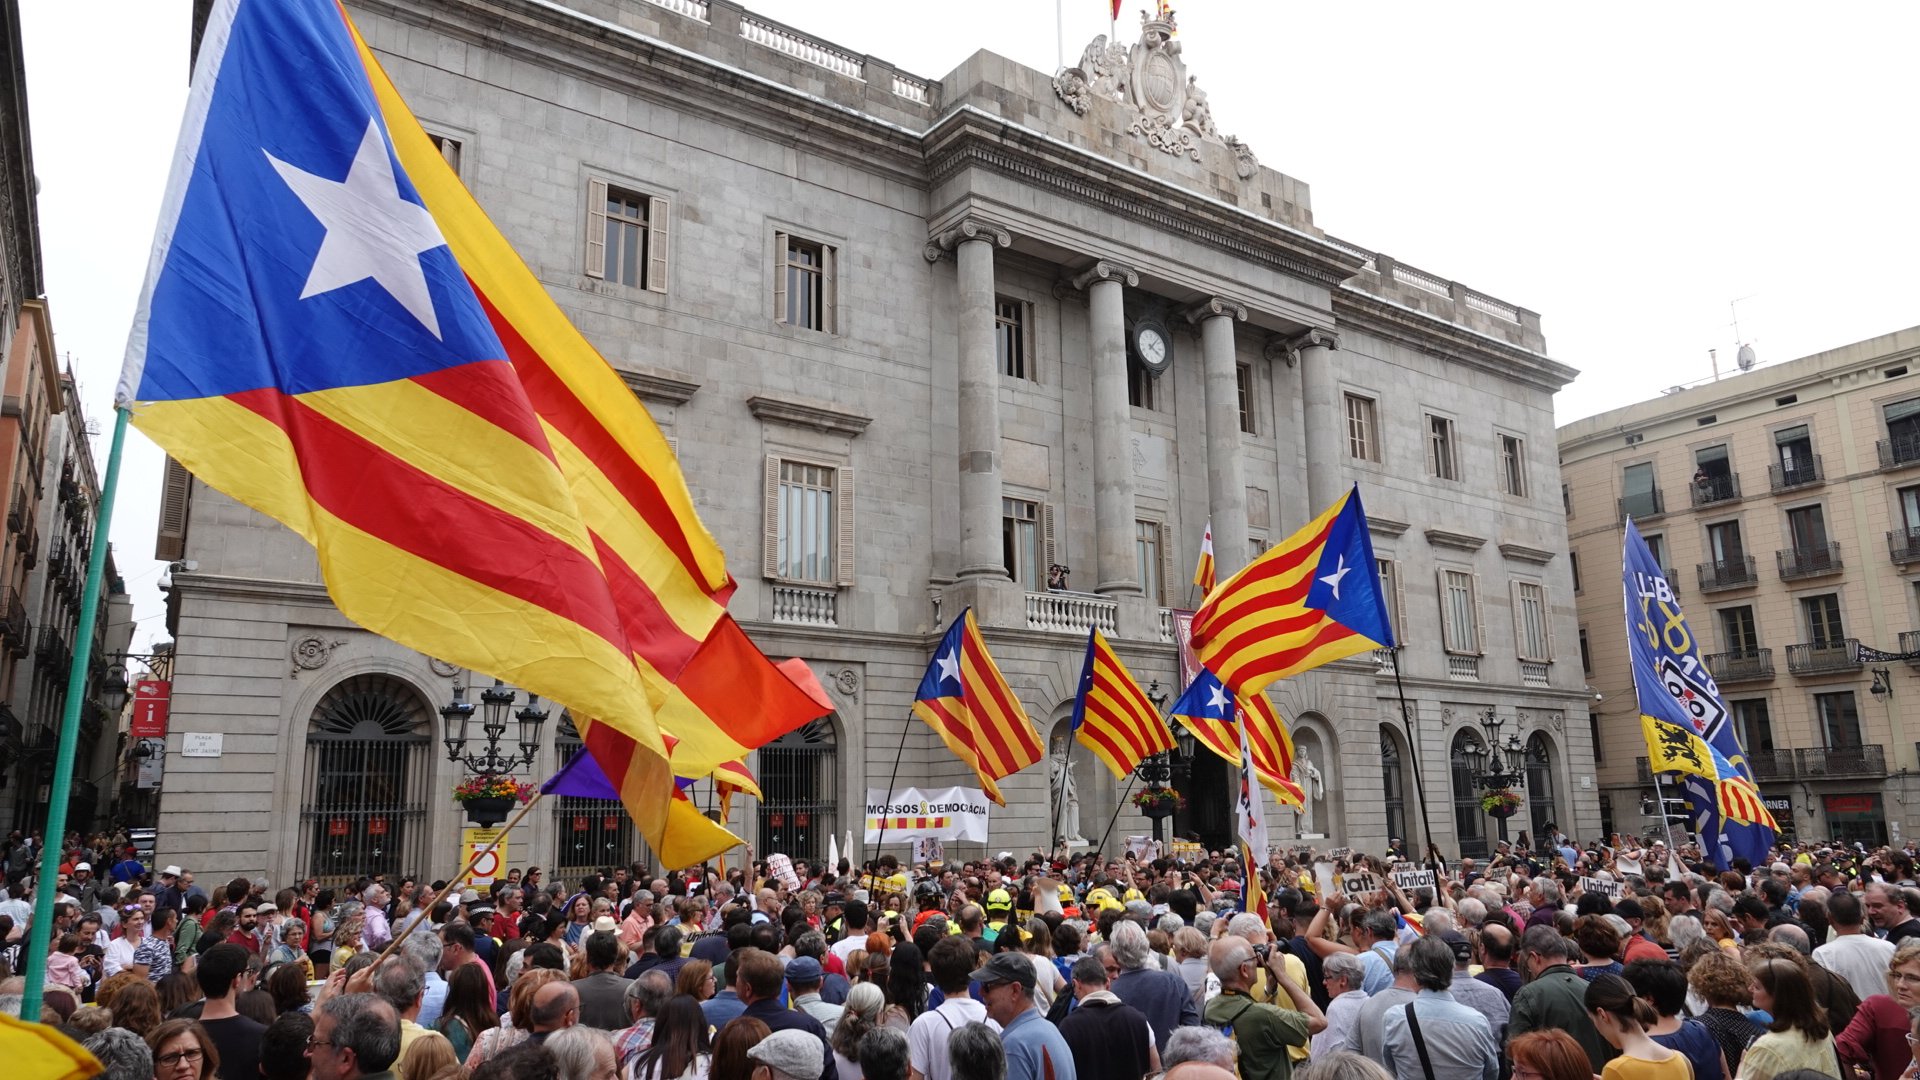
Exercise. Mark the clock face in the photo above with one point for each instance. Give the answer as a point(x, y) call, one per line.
point(1151, 343)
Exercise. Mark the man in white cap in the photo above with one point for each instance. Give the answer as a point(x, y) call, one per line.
point(787, 1055)
point(167, 893)
point(90, 891)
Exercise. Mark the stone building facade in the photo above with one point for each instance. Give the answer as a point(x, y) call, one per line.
point(1786, 503)
point(917, 341)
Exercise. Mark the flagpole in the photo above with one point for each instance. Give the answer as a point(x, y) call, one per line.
point(1660, 797)
point(459, 880)
point(61, 790)
point(895, 775)
point(1413, 751)
point(1102, 849)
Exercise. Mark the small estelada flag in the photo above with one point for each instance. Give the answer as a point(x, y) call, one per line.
point(1203, 571)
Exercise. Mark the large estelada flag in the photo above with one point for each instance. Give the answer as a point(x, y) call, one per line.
point(1312, 599)
point(968, 703)
point(334, 334)
point(1216, 718)
point(1112, 716)
point(1678, 697)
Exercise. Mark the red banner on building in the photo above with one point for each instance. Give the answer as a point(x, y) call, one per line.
point(151, 699)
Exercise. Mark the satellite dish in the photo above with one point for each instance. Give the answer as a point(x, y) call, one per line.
point(1746, 358)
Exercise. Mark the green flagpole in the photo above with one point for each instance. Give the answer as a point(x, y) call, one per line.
point(35, 958)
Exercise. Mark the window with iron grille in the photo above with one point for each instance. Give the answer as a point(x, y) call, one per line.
point(799, 775)
point(363, 805)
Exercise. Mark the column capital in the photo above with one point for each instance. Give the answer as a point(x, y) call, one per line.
point(971, 227)
point(1216, 306)
point(1310, 339)
point(1106, 270)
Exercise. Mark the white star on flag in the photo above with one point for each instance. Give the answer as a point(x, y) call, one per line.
point(1218, 700)
point(950, 666)
point(371, 231)
point(1333, 579)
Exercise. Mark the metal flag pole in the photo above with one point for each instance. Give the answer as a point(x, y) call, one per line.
point(1101, 850)
point(891, 777)
point(1413, 751)
point(62, 788)
point(1660, 799)
point(460, 879)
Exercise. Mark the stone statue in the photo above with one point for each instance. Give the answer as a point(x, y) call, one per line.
point(1198, 113)
point(1312, 786)
point(1066, 796)
point(1149, 80)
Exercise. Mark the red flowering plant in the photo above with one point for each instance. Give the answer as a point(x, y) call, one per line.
point(492, 786)
point(1502, 803)
point(1156, 797)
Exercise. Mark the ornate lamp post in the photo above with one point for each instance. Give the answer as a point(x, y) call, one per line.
point(1158, 769)
point(490, 760)
point(1497, 767)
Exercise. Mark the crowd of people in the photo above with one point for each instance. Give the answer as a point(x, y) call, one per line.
point(1565, 962)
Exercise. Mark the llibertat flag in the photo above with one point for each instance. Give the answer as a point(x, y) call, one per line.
point(1203, 570)
point(1112, 716)
point(968, 703)
point(334, 334)
point(1310, 600)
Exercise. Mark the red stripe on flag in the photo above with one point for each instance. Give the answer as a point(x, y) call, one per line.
point(495, 398)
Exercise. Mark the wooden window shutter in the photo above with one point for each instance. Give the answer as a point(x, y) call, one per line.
point(1399, 606)
point(1519, 622)
point(1546, 615)
point(1479, 617)
point(843, 527)
point(779, 277)
point(1048, 549)
point(770, 520)
point(597, 228)
point(176, 498)
point(1167, 588)
point(673, 446)
point(830, 289)
point(1027, 340)
point(1446, 612)
point(659, 211)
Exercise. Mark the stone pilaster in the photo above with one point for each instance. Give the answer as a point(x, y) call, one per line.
point(1226, 481)
point(972, 242)
point(1112, 427)
point(1321, 419)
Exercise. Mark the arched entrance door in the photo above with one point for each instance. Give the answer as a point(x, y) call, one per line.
point(799, 774)
point(1469, 821)
point(364, 800)
point(1540, 795)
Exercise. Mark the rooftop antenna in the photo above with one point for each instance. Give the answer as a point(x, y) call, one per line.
point(1713, 357)
point(1745, 357)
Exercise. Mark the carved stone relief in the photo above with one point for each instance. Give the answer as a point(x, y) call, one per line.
point(310, 653)
point(1151, 78)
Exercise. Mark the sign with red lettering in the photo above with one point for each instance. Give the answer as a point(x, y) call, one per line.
point(337, 827)
point(609, 823)
point(377, 826)
point(580, 823)
point(151, 698)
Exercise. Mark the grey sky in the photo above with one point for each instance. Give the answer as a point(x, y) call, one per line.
point(1625, 171)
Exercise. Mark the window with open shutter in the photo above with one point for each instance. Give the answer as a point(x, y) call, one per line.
point(1460, 615)
point(659, 211)
point(176, 498)
point(843, 542)
point(1479, 617)
point(1169, 584)
point(596, 228)
point(770, 519)
point(830, 290)
point(779, 277)
point(1049, 549)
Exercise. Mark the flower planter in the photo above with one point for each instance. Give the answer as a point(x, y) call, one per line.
point(1503, 812)
point(488, 812)
point(1158, 810)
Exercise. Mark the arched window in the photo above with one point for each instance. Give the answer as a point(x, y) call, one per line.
point(364, 801)
point(1540, 806)
point(589, 835)
point(798, 774)
point(1469, 821)
point(1393, 781)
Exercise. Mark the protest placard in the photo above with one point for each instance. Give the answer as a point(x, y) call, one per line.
point(1323, 878)
point(1610, 889)
point(1410, 880)
point(1359, 883)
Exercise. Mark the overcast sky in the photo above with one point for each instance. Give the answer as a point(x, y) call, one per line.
point(1627, 171)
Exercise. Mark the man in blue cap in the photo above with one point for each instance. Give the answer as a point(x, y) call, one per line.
point(1035, 1048)
point(804, 976)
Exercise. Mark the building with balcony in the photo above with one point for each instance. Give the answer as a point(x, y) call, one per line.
point(1829, 449)
point(918, 342)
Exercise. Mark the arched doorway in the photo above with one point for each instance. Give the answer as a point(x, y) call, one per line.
point(1393, 781)
point(363, 806)
point(799, 775)
point(1469, 821)
point(589, 835)
point(1540, 794)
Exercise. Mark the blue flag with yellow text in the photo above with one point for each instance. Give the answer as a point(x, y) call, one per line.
point(1674, 687)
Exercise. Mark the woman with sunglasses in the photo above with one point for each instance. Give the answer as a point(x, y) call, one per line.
point(1876, 1042)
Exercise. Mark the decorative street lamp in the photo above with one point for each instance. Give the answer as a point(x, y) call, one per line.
point(1497, 769)
point(1157, 802)
point(489, 762)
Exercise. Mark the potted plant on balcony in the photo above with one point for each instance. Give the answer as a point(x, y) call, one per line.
point(490, 797)
point(1503, 803)
point(1157, 803)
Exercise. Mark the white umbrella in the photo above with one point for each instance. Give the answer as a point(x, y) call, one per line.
point(833, 852)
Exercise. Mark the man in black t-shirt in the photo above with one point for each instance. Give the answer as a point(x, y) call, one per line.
point(223, 976)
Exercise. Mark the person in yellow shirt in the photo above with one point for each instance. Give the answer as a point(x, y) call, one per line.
point(1622, 1018)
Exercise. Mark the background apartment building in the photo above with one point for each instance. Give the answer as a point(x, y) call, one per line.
point(1785, 503)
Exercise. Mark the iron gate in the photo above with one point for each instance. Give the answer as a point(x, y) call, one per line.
point(363, 803)
point(799, 777)
point(590, 835)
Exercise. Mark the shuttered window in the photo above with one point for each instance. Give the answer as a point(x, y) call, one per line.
point(1460, 611)
point(627, 236)
point(1531, 632)
point(809, 534)
point(805, 289)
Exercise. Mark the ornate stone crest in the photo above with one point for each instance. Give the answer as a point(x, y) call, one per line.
point(1151, 79)
point(311, 653)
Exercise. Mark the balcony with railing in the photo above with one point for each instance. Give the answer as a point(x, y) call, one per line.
point(806, 605)
point(1813, 560)
point(17, 511)
point(50, 649)
point(1387, 665)
point(1725, 574)
point(1903, 546)
point(1910, 642)
point(1535, 673)
point(1741, 665)
point(1803, 472)
point(1712, 489)
point(1071, 613)
point(1822, 657)
point(1643, 506)
point(1463, 668)
point(1836, 762)
point(1772, 764)
point(1899, 452)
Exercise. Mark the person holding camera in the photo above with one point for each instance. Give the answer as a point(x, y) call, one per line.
point(1265, 1032)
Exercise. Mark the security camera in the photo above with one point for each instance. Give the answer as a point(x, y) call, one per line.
point(1599, 697)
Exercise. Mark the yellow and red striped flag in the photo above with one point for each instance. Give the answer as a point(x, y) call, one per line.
point(1310, 600)
point(1111, 714)
point(1215, 718)
point(1203, 571)
point(333, 333)
point(968, 703)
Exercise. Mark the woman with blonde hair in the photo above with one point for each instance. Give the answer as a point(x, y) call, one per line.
point(346, 939)
point(517, 1025)
point(695, 980)
point(1720, 929)
point(1876, 1038)
point(425, 1058)
point(1798, 1038)
point(865, 1005)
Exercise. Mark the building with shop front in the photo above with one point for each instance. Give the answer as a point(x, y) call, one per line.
point(1785, 503)
point(916, 342)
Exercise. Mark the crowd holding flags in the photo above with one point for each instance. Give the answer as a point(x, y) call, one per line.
point(1687, 727)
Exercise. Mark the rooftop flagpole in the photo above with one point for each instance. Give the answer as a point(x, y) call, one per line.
point(39, 933)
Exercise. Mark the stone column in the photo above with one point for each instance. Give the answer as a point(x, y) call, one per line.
point(972, 242)
point(1115, 572)
point(1226, 481)
point(1321, 418)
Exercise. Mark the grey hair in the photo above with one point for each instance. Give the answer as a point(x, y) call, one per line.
point(1247, 925)
point(1473, 911)
point(10, 1004)
point(975, 1053)
point(1344, 966)
point(883, 1054)
point(1721, 900)
point(399, 982)
point(651, 991)
point(124, 1054)
point(1203, 921)
point(1379, 926)
point(1199, 1044)
point(1438, 921)
point(1432, 961)
point(1345, 1065)
point(1685, 931)
point(1789, 934)
point(573, 1050)
point(1171, 922)
point(1403, 960)
point(1549, 890)
point(366, 1025)
point(424, 949)
point(1129, 943)
point(1225, 961)
point(1089, 971)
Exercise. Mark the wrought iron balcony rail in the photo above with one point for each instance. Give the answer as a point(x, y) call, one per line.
point(1810, 561)
point(1822, 657)
point(1713, 490)
point(1798, 475)
point(1741, 665)
point(1728, 574)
